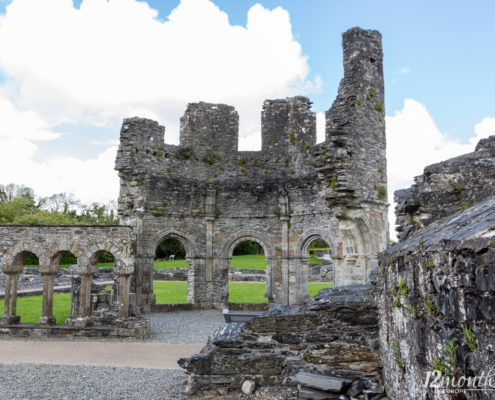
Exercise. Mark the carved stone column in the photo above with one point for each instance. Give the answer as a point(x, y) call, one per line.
point(124, 282)
point(10, 303)
point(124, 273)
point(84, 317)
point(47, 316)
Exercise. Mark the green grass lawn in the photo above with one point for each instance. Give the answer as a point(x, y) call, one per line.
point(252, 261)
point(240, 292)
point(29, 308)
point(315, 287)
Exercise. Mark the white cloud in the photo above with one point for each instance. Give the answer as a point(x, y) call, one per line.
point(91, 180)
point(115, 58)
point(112, 59)
point(320, 127)
point(414, 141)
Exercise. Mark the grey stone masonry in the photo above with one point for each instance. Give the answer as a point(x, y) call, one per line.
point(447, 187)
point(436, 298)
point(334, 339)
point(211, 197)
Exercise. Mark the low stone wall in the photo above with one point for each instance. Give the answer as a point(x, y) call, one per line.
point(172, 274)
point(247, 275)
point(336, 335)
point(138, 328)
point(323, 272)
point(436, 299)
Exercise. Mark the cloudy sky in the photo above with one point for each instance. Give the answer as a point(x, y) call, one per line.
point(71, 70)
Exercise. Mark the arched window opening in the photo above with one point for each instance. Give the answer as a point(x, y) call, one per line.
point(94, 287)
point(30, 259)
point(171, 272)
point(247, 273)
point(66, 263)
point(28, 282)
point(321, 266)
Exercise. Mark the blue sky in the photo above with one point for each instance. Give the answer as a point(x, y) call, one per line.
point(446, 45)
point(70, 71)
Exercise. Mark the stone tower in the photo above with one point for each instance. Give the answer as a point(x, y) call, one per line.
point(211, 196)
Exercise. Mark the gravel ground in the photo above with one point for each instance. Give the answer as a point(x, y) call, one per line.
point(33, 382)
point(184, 326)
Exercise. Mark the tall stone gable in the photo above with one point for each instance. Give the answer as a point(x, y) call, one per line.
point(211, 196)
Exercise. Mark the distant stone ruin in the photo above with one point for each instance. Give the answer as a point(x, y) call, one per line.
point(211, 196)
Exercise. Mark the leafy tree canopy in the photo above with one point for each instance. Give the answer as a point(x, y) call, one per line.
point(20, 205)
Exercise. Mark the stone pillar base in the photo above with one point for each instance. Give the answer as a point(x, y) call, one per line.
point(10, 319)
point(49, 320)
point(132, 327)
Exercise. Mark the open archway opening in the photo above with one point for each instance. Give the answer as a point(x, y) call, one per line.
point(170, 272)
point(102, 283)
point(320, 266)
point(28, 259)
point(65, 263)
point(29, 283)
point(247, 281)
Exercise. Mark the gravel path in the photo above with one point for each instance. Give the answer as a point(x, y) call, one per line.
point(33, 382)
point(184, 326)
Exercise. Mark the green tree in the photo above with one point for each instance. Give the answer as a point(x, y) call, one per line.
point(170, 247)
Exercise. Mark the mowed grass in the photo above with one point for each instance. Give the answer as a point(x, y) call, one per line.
point(29, 308)
point(252, 261)
point(239, 292)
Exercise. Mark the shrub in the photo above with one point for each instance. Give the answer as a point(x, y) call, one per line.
point(379, 107)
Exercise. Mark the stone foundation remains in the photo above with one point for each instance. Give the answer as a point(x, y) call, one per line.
point(332, 340)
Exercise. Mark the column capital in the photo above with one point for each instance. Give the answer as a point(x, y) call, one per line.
point(12, 269)
point(48, 269)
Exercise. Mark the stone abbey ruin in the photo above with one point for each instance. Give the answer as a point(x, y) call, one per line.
point(211, 196)
point(395, 314)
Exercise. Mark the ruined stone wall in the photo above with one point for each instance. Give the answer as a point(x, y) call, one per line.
point(334, 337)
point(211, 196)
point(447, 187)
point(436, 287)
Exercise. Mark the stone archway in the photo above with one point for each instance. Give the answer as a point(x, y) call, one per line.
point(195, 264)
point(264, 241)
point(298, 291)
